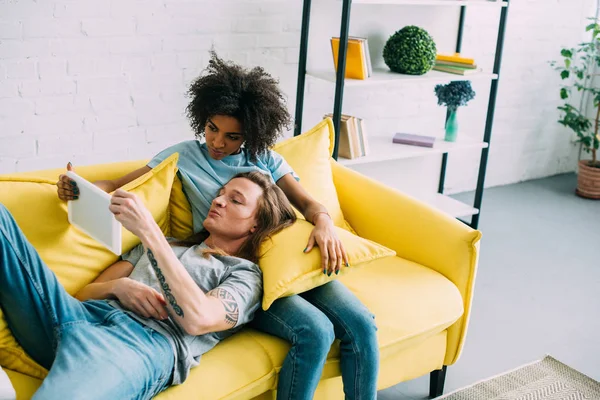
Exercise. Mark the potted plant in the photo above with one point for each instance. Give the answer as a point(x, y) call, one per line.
point(453, 95)
point(578, 67)
point(411, 50)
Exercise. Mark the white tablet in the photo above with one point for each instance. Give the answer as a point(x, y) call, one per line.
point(91, 215)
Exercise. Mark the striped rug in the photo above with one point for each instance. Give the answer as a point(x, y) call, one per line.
point(548, 379)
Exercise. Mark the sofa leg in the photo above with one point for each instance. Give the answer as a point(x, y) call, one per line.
point(436, 382)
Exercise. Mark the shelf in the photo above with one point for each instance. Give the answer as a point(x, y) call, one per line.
point(381, 148)
point(381, 76)
point(453, 207)
point(496, 3)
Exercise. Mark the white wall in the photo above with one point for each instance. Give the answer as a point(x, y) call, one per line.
point(97, 81)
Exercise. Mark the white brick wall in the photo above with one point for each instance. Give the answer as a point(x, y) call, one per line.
point(98, 81)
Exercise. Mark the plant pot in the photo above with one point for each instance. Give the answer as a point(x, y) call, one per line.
point(451, 126)
point(588, 181)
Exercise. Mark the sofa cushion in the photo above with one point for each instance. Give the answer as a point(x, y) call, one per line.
point(309, 156)
point(287, 270)
point(238, 367)
point(411, 303)
point(75, 258)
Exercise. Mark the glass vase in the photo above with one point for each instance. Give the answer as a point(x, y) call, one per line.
point(451, 125)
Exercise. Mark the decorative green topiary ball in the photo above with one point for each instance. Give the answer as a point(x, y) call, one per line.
point(411, 51)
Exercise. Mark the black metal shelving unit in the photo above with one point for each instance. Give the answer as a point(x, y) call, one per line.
point(339, 86)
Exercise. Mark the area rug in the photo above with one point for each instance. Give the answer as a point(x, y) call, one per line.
point(548, 379)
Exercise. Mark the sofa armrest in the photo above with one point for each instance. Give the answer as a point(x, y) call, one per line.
point(417, 232)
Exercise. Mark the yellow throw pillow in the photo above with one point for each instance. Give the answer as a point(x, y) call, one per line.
point(75, 258)
point(181, 212)
point(287, 270)
point(309, 155)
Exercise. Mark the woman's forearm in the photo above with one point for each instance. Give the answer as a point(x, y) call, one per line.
point(98, 291)
point(314, 212)
point(110, 186)
point(107, 185)
point(186, 302)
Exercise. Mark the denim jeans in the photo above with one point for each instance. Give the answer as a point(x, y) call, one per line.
point(310, 322)
point(92, 350)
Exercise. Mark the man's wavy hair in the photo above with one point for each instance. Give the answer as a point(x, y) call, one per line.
point(252, 96)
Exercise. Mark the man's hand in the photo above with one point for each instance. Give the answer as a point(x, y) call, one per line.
point(131, 213)
point(141, 299)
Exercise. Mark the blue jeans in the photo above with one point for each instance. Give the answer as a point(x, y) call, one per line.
point(92, 350)
point(310, 322)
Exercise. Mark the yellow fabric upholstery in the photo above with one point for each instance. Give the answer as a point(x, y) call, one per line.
point(309, 155)
point(287, 270)
point(417, 233)
point(75, 258)
point(421, 297)
point(236, 368)
point(181, 212)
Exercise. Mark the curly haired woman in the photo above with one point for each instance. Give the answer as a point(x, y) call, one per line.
point(241, 113)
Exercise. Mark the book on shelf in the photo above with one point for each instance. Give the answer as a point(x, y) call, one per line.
point(455, 64)
point(358, 61)
point(456, 69)
point(414, 140)
point(456, 58)
point(353, 141)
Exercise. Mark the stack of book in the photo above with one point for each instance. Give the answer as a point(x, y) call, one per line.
point(455, 64)
point(358, 61)
point(353, 137)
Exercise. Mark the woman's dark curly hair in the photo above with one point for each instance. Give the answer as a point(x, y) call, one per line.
point(252, 96)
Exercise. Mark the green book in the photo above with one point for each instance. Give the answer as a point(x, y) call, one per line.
point(456, 69)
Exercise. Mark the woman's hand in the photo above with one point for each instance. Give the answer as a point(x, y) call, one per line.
point(66, 187)
point(141, 299)
point(131, 213)
point(325, 237)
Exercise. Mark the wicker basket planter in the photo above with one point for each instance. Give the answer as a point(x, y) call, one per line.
point(588, 181)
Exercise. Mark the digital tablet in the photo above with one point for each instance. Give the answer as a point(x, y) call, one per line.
point(91, 215)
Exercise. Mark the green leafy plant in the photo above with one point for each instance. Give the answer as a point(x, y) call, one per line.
point(577, 68)
point(454, 94)
point(411, 50)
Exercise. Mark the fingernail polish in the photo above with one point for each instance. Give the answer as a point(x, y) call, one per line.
point(324, 271)
point(329, 273)
point(347, 265)
point(73, 183)
point(337, 272)
point(304, 251)
point(75, 197)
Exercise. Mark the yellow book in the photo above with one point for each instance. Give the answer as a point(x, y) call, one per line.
point(455, 58)
point(355, 58)
point(455, 64)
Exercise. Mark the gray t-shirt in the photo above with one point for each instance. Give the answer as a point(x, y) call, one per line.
point(239, 277)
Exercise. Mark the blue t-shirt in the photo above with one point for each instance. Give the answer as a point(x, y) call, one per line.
point(202, 176)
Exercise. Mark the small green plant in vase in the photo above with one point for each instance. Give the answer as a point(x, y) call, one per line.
point(578, 69)
point(453, 95)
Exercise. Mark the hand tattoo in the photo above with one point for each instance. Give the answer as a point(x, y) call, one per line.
point(232, 311)
point(164, 285)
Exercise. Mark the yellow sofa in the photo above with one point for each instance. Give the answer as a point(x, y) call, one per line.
point(421, 297)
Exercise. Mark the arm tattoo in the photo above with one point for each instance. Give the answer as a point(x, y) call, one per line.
point(164, 285)
point(232, 311)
